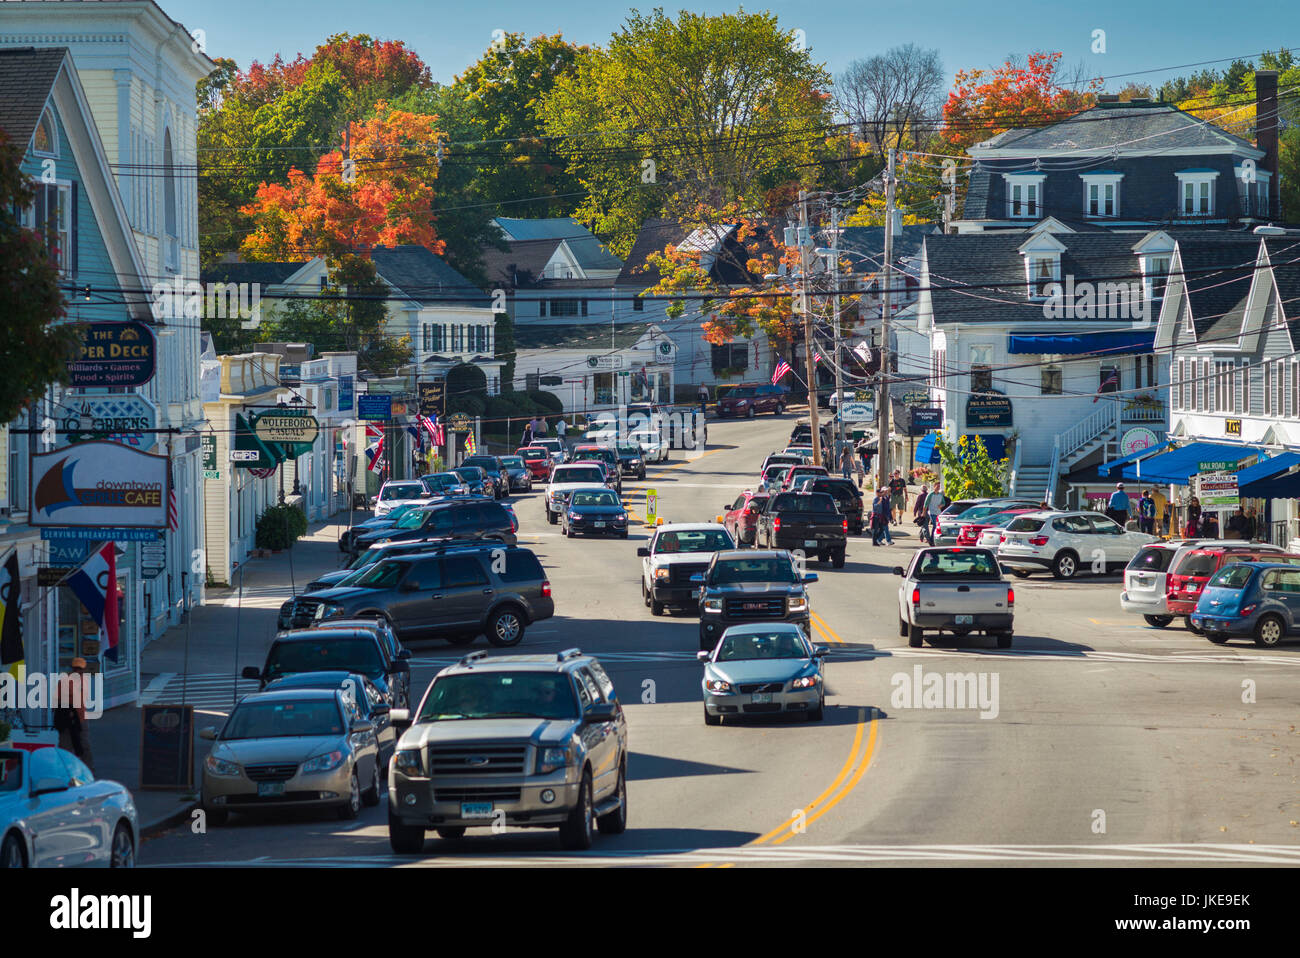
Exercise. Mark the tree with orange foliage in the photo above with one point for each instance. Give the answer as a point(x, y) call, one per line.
point(984, 103)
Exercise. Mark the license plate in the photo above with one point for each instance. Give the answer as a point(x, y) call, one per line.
point(266, 789)
point(810, 543)
point(599, 525)
point(475, 809)
point(761, 698)
point(965, 620)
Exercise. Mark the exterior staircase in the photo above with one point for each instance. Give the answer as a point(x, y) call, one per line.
point(1031, 483)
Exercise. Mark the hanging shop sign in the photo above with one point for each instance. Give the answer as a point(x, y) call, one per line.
point(432, 396)
point(1137, 439)
point(1218, 489)
point(120, 417)
point(857, 411)
point(459, 422)
point(605, 362)
point(114, 354)
point(1232, 427)
point(97, 485)
point(286, 426)
point(988, 409)
point(925, 419)
point(374, 407)
point(153, 559)
point(916, 397)
point(209, 446)
point(346, 393)
point(251, 452)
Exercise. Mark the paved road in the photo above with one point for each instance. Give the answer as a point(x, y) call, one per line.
point(1107, 742)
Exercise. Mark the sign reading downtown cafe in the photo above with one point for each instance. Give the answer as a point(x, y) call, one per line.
point(98, 485)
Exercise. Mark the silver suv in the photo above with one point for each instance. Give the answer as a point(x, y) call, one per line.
point(534, 741)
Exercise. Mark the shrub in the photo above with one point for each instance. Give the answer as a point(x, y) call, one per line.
point(280, 526)
point(549, 403)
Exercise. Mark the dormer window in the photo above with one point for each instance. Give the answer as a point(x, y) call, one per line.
point(1101, 193)
point(1196, 192)
point(45, 138)
point(1155, 276)
point(1043, 270)
point(1024, 194)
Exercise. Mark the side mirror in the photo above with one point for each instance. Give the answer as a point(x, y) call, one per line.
point(643, 552)
point(697, 578)
point(898, 570)
point(600, 713)
point(819, 651)
point(251, 672)
point(703, 657)
point(401, 665)
point(401, 718)
point(404, 654)
point(208, 734)
point(810, 577)
point(361, 725)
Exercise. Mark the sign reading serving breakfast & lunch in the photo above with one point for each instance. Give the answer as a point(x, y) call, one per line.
point(114, 354)
point(97, 485)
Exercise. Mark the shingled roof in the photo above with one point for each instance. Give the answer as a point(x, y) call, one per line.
point(1146, 126)
point(1219, 267)
point(426, 277)
point(26, 76)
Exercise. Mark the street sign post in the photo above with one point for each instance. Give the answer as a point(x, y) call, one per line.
point(651, 506)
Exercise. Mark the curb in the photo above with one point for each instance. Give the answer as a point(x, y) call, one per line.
point(171, 820)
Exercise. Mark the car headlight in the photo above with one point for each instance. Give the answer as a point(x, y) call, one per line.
point(554, 758)
point(324, 763)
point(664, 574)
point(805, 682)
point(219, 766)
point(383, 542)
point(719, 687)
point(712, 605)
point(331, 611)
point(407, 762)
point(799, 603)
point(621, 517)
point(574, 515)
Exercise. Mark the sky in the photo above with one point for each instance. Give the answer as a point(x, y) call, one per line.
point(1138, 35)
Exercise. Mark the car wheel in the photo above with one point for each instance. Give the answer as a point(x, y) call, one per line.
point(122, 850)
point(615, 822)
point(505, 627)
point(1216, 638)
point(750, 414)
point(1269, 631)
point(1020, 573)
point(711, 719)
point(216, 817)
point(914, 636)
point(576, 833)
point(1157, 621)
point(1065, 565)
point(1187, 622)
point(370, 797)
point(352, 807)
point(12, 852)
point(551, 517)
point(819, 713)
point(451, 833)
point(461, 639)
point(568, 532)
point(404, 839)
point(645, 594)
point(656, 608)
point(1004, 640)
point(837, 559)
point(902, 628)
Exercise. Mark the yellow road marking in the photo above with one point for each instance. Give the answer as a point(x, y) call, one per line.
point(825, 629)
point(826, 635)
point(857, 776)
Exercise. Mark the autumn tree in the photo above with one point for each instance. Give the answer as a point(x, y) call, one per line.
point(886, 98)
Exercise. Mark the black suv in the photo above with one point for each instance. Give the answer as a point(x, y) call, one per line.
point(747, 585)
point(451, 519)
point(847, 496)
point(457, 592)
point(496, 471)
point(359, 650)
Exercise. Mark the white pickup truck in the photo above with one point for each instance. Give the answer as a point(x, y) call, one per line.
point(955, 589)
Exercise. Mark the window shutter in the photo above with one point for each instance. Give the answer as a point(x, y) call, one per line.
point(72, 232)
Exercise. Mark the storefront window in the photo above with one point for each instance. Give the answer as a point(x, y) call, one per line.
point(604, 386)
point(80, 636)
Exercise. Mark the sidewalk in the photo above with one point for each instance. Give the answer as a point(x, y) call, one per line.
point(203, 671)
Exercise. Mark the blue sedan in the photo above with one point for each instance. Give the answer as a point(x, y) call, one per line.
point(594, 511)
point(1259, 600)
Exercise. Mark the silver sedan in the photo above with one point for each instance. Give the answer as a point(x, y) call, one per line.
point(758, 669)
point(54, 813)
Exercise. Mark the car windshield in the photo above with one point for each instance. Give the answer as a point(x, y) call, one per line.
point(692, 540)
point(512, 462)
point(411, 520)
point(979, 512)
point(551, 444)
point(940, 563)
point(325, 655)
point(486, 695)
point(440, 481)
point(402, 490)
point(999, 518)
point(367, 558)
point(536, 452)
point(581, 498)
point(1152, 559)
point(578, 474)
point(283, 720)
point(632, 451)
point(1233, 576)
point(761, 645)
point(469, 473)
point(382, 575)
point(11, 770)
point(742, 392)
point(775, 473)
point(803, 502)
point(482, 462)
point(734, 571)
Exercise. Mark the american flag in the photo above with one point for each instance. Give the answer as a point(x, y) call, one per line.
point(435, 429)
point(782, 368)
point(1111, 380)
point(173, 513)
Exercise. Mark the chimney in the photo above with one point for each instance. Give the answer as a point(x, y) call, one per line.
point(1266, 133)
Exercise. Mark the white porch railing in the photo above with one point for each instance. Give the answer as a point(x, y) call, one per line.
point(1078, 436)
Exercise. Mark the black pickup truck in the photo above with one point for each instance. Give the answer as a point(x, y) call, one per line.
point(804, 522)
point(745, 585)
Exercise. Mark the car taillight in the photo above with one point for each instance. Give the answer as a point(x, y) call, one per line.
point(1038, 541)
point(916, 596)
point(844, 524)
point(776, 523)
point(1011, 596)
point(546, 590)
point(1246, 610)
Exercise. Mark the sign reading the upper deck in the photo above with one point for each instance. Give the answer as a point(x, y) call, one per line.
point(114, 354)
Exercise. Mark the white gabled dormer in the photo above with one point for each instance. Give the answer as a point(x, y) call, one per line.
point(1050, 224)
point(563, 264)
point(1024, 194)
point(1155, 252)
point(1042, 256)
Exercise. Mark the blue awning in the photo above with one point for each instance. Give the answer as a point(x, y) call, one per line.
point(1176, 465)
point(925, 450)
point(1108, 468)
point(1121, 342)
point(1265, 479)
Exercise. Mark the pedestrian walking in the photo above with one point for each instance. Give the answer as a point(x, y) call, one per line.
point(846, 461)
point(1193, 527)
point(935, 503)
point(562, 427)
point(898, 496)
point(1147, 512)
point(1209, 525)
point(879, 516)
point(702, 394)
point(1117, 507)
point(70, 712)
point(527, 439)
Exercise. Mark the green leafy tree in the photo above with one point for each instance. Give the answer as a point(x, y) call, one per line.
point(968, 472)
point(35, 345)
point(466, 389)
point(504, 343)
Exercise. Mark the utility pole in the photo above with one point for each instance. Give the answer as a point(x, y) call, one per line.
point(883, 410)
point(803, 236)
point(839, 379)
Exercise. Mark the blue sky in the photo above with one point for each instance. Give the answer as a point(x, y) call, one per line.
point(1139, 36)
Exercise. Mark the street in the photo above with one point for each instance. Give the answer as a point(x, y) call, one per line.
point(1104, 741)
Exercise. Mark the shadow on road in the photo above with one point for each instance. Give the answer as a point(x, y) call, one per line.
point(642, 767)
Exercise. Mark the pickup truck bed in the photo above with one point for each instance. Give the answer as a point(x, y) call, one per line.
point(955, 589)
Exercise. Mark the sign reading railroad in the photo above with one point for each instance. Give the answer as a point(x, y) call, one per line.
point(99, 484)
point(114, 354)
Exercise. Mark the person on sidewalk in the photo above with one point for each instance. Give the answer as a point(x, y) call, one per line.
point(702, 394)
point(918, 508)
point(935, 503)
point(879, 516)
point(1117, 507)
point(1252, 525)
point(70, 713)
point(898, 496)
point(846, 461)
point(1147, 513)
point(527, 439)
point(886, 513)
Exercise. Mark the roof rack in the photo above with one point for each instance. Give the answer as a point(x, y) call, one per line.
point(567, 654)
point(473, 657)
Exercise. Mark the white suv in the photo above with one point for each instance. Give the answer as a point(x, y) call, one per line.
point(1067, 543)
point(398, 492)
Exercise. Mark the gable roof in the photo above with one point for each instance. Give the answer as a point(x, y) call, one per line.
point(593, 337)
point(582, 243)
point(1219, 267)
point(869, 241)
point(264, 274)
point(26, 76)
point(426, 277)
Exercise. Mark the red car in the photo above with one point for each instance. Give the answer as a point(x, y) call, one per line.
point(537, 460)
point(1185, 581)
point(749, 399)
point(741, 517)
point(970, 531)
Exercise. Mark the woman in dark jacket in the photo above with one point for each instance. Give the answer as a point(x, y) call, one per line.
point(1192, 529)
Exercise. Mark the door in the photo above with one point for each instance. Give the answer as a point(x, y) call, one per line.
point(439, 523)
point(365, 745)
point(414, 606)
point(466, 592)
point(52, 816)
point(1286, 592)
point(1077, 535)
point(602, 738)
point(1116, 546)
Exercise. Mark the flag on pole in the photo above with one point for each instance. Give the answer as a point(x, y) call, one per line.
point(435, 429)
point(782, 368)
point(173, 513)
point(1111, 380)
point(471, 448)
point(375, 453)
point(11, 617)
point(95, 584)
